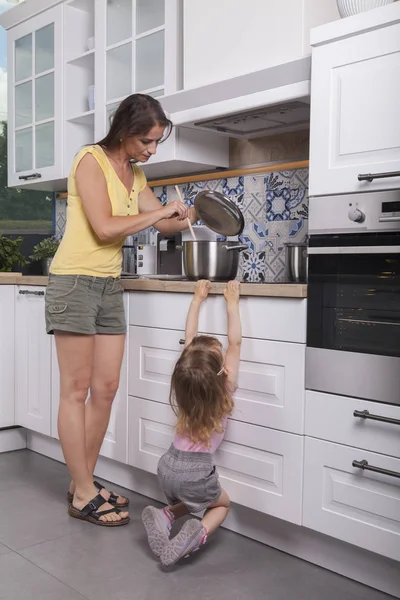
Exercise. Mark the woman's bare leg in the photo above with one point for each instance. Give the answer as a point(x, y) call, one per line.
point(75, 358)
point(107, 360)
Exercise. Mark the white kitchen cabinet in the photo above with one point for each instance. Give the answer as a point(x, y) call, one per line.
point(340, 419)
point(260, 468)
point(262, 35)
point(33, 364)
point(271, 376)
point(345, 502)
point(279, 319)
point(35, 100)
point(355, 125)
point(7, 359)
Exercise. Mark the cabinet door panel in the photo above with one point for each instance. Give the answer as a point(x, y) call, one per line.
point(355, 86)
point(33, 367)
point(358, 507)
point(7, 352)
point(270, 383)
point(260, 468)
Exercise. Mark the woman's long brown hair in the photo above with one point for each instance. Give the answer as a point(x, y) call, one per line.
point(136, 115)
point(199, 396)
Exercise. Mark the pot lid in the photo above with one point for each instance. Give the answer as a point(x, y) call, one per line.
point(219, 213)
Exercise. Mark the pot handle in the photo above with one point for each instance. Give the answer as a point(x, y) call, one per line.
point(239, 247)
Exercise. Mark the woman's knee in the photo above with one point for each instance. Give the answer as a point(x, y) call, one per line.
point(104, 390)
point(75, 390)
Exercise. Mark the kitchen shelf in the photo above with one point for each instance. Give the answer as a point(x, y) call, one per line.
point(86, 60)
point(84, 5)
point(86, 118)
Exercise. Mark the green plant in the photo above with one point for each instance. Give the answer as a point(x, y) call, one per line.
point(45, 249)
point(10, 254)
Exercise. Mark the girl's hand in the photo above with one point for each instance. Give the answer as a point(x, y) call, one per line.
point(175, 209)
point(202, 289)
point(232, 292)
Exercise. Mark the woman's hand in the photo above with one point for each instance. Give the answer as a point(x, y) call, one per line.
point(175, 209)
point(202, 289)
point(232, 292)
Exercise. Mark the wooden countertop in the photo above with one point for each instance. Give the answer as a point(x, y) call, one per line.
point(278, 290)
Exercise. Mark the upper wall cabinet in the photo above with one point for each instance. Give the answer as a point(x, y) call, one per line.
point(229, 38)
point(71, 65)
point(355, 124)
point(35, 100)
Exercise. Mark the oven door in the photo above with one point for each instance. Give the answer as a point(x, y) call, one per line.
point(353, 325)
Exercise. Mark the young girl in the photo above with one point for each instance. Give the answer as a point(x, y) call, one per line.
point(202, 385)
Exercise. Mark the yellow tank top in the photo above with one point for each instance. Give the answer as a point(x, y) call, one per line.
point(80, 251)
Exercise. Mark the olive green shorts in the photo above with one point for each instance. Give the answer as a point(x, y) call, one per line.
point(85, 305)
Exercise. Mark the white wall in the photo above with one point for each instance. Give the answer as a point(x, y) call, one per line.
point(225, 38)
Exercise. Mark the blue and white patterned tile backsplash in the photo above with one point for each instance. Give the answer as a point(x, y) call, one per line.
point(275, 209)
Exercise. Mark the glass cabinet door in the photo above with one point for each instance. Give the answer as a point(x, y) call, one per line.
point(135, 39)
point(34, 80)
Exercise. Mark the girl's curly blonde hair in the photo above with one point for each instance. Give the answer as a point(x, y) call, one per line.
point(200, 396)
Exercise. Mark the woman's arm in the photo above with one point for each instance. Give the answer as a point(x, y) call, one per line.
point(192, 319)
point(149, 202)
point(232, 357)
point(92, 189)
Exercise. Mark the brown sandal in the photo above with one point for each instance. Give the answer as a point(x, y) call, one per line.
point(89, 513)
point(113, 499)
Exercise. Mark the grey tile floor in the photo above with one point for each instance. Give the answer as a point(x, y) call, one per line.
point(46, 555)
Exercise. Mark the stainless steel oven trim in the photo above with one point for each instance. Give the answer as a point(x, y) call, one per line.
point(353, 374)
point(356, 250)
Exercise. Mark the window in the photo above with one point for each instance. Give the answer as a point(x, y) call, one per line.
point(21, 211)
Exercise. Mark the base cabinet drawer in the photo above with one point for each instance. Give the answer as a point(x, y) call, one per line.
point(260, 468)
point(271, 376)
point(354, 505)
point(280, 319)
point(353, 422)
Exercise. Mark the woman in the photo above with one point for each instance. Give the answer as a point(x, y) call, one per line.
point(108, 199)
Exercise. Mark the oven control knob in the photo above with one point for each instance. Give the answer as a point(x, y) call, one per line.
point(356, 215)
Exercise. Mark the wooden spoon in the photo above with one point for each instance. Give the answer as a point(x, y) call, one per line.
point(188, 220)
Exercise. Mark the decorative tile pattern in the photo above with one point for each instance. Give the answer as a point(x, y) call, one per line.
point(233, 186)
point(254, 235)
point(254, 184)
point(252, 267)
point(254, 206)
point(286, 195)
point(161, 193)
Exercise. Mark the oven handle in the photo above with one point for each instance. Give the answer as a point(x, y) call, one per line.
point(363, 464)
point(355, 250)
point(371, 176)
point(365, 414)
point(368, 322)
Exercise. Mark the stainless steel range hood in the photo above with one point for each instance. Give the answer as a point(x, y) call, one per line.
point(261, 121)
point(256, 104)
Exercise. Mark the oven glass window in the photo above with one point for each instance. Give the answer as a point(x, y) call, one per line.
point(354, 303)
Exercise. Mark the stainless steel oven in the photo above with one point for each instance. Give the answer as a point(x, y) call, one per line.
point(353, 324)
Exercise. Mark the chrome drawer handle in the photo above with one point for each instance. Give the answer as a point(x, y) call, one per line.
point(365, 414)
point(371, 176)
point(363, 464)
point(182, 342)
point(32, 293)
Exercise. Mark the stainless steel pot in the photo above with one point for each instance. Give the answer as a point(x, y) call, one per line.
point(215, 261)
point(297, 262)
